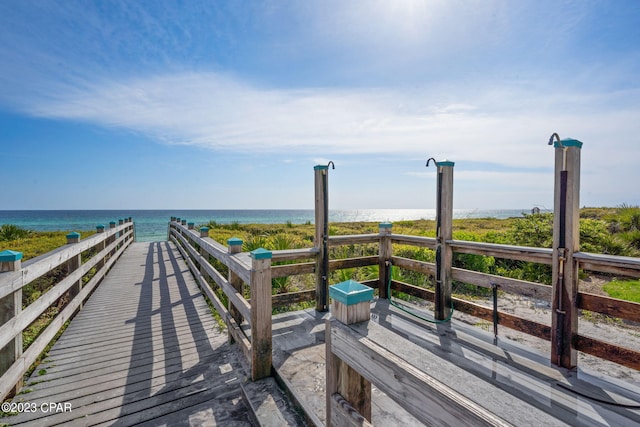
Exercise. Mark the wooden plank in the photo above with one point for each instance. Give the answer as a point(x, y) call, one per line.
point(626, 266)
point(355, 239)
point(413, 265)
point(427, 399)
point(621, 355)
point(420, 241)
point(338, 264)
point(280, 300)
point(292, 269)
point(30, 355)
point(520, 253)
point(39, 266)
point(17, 324)
point(234, 296)
point(505, 319)
point(622, 309)
point(295, 254)
point(345, 415)
point(514, 286)
point(416, 291)
point(174, 367)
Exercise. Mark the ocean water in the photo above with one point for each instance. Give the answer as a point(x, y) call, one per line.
point(151, 225)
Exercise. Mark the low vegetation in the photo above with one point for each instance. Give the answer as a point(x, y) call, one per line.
point(614, 231)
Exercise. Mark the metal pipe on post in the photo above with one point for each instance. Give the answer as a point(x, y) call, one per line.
point(321, 238)
point(444, 232)
point(566, 241)
point(385, 252)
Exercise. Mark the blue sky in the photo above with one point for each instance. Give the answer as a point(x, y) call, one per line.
point(213, 105)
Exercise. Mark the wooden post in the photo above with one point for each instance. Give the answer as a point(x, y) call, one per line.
point(73, 264)
point(204, 232)
point(444, 232)
point(100, 246)
point(260, 285)
point(321, 236)
point(566, 241)
point(351, 303)
point(112, 238)
point(190, 225)
point(235, 247)
point(10, 307)
point(385, 252)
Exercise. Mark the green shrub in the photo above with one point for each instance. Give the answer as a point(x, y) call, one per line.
point(13, 232)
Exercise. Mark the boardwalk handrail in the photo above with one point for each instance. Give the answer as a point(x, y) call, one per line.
point(307, 265)
point(253, 269)
point(108, 246)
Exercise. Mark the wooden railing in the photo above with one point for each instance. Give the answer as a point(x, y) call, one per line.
point(90, 259)
point(248, 319)
point(386, 259)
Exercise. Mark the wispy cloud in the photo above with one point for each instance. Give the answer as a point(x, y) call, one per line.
point(223, 112)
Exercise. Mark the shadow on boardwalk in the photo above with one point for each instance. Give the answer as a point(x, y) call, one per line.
point(144, 350)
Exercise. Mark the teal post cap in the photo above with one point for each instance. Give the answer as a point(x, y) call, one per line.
point(100, 226)
point(569, 142)
point(261, 253)
point(385, 225)
point(191, 223)
point(445, 163)
point(351, 292)
point(320, 167)
point(73, 235)
point(112, 222)
point(234, 241)
point(10, 256)
point(204, 228)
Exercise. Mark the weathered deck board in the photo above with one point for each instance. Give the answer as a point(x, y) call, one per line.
point(506, 378)
point(144, 349)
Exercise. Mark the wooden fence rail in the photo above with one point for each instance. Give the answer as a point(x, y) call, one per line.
point(248, 320)
point(104, 248)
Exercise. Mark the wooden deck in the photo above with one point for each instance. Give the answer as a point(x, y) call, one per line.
point(144, 350)
point(509, 380)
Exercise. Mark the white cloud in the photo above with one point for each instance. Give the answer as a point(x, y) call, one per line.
point(224, 113)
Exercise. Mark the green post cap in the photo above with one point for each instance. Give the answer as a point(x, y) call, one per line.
point(445, 163)
point(261, 253)
point(351, 292)
point(112, 222)
point(234, 241)
point(569, 142)
point(320, 167)
point(10, 256)
point(73, 235)
point(204, 228)
point(385, 225)
point(100, 226)
point(191, 223)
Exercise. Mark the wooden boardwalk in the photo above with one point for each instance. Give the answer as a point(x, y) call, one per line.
point(144, 350)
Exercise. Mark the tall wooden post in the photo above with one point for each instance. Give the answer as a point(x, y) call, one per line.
point(351, 303)
point(73, 264)
point(10, 307)
point(444, 232)
point(235, 247)
point(321, 237)
point(384, 258)
point(260, 313)
point(566, 241)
